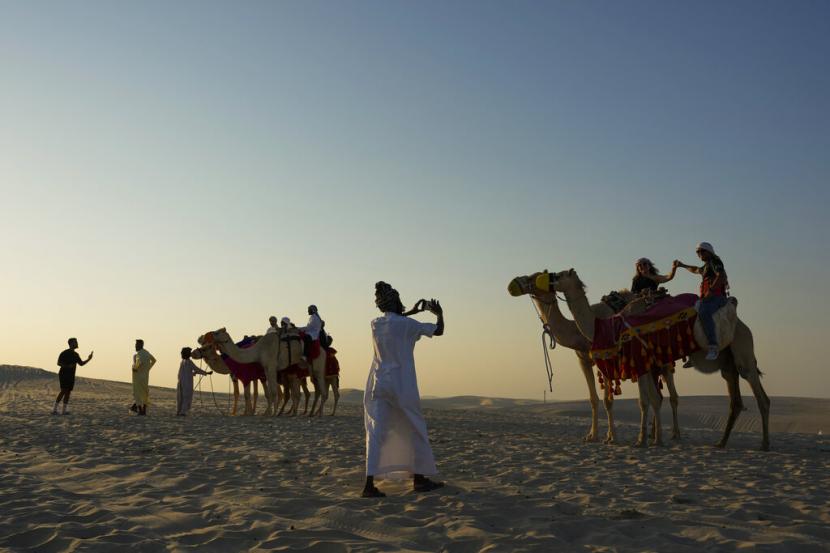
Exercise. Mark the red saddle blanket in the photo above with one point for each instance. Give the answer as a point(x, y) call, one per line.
point(629, 346)
point(246, 372)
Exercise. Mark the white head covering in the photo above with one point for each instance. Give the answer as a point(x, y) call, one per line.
point(706, 246)
point(285, 320)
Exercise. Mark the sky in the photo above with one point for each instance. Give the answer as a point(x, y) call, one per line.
point(172, 168)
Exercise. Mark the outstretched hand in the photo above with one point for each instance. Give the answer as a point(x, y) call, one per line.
point(434, 307)
point(90, 355)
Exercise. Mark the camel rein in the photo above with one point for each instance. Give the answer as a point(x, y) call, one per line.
point(546, 331)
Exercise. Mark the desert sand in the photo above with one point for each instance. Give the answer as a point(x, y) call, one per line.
point(519, 478)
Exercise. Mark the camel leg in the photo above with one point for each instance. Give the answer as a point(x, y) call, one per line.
point(319, 369)
point(295, 395)
point(306, 393)
point(247, 389)
point(743, 353)
point(256, 394)
point(730, 374)
point(235, 397)
point(655, 400)
point(285, 397)
point(274, 391)
point(608, 401)
point(335, 390)
point(668, 376)
point(642, 401)
point(588, 373)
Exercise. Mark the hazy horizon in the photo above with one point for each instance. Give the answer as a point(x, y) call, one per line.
point(169, 169)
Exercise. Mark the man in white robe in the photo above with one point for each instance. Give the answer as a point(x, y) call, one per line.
point(184, 390)
point(396, 432)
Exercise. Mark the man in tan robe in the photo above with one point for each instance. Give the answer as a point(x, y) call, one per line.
point(143, 361)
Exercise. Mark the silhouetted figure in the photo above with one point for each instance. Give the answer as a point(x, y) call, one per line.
point(143, 361)
point(184, 389)
point(68, 361)
point(396, 432)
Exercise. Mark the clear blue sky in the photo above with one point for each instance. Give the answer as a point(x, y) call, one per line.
point(168, 168)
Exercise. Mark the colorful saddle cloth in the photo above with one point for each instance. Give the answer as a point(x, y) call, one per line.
point(629, 346)
point(246, 372)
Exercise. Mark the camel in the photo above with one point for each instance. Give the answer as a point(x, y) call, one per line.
point(566, 333)
point(218, 365)
point(736, 360)
point(269, 351)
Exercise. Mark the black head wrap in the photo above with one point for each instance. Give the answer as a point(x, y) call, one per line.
point(387, 298)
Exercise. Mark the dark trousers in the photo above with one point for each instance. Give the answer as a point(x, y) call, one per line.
point(706, 311)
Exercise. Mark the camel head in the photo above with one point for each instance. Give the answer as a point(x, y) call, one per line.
point(214, 337)
point(538, 285)
point(563, 281)
point(212, 358)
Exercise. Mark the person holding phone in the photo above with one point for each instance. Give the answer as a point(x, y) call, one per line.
point(396, 432)
point(68, 361)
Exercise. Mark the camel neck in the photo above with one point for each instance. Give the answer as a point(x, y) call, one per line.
point(581, 311)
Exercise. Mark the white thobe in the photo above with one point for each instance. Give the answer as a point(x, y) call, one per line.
point(396, 432)
point(312, 329)
point(271, 330)
point(184, 391)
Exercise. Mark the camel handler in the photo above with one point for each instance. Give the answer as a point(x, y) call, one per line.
point(67, 361)
point(143, 361)
point(713, 292)
point(316, 355)
point(396, 432)
point(184, 390)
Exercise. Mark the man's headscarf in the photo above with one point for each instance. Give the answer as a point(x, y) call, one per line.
point(387, 298)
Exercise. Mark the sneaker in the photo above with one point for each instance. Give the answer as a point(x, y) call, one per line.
point(712, 354)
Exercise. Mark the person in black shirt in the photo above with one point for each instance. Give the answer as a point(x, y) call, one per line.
point(67, 361)
point(648, 277)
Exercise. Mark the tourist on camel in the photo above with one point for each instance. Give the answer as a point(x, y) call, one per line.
point(647, 278)
point(713, 292)
point(272, 328)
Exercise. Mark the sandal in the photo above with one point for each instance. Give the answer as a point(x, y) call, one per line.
point(427, 485)
point(372, 492)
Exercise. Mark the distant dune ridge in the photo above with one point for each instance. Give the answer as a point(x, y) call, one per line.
point(519, 478)
point(789, 414)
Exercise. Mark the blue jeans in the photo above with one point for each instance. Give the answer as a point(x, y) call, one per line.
point(705, 311)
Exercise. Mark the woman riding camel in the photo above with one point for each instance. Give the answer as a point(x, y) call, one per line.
point(647, 277)
point(713, 292)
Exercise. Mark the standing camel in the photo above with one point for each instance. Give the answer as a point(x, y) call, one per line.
point(567, 334)
point(736, 360)
point(269, 351)
point(218, 365)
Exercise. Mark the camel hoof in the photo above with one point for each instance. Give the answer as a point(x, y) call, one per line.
point(675, 437)
point(765, 447)
point(590, 438)
point(721, 444)
point(640, 443)
point(610, 440)
point(657, 443)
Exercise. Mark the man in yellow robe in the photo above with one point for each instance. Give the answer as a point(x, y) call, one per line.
point(143, 361)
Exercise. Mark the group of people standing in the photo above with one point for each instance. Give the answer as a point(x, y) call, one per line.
point(714, 287)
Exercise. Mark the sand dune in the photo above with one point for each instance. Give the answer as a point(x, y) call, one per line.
point(520, 479)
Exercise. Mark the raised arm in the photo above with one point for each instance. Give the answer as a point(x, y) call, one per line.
point(690, 268)
point(434, 307)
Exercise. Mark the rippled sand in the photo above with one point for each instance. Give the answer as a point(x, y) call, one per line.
point(519, 479)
